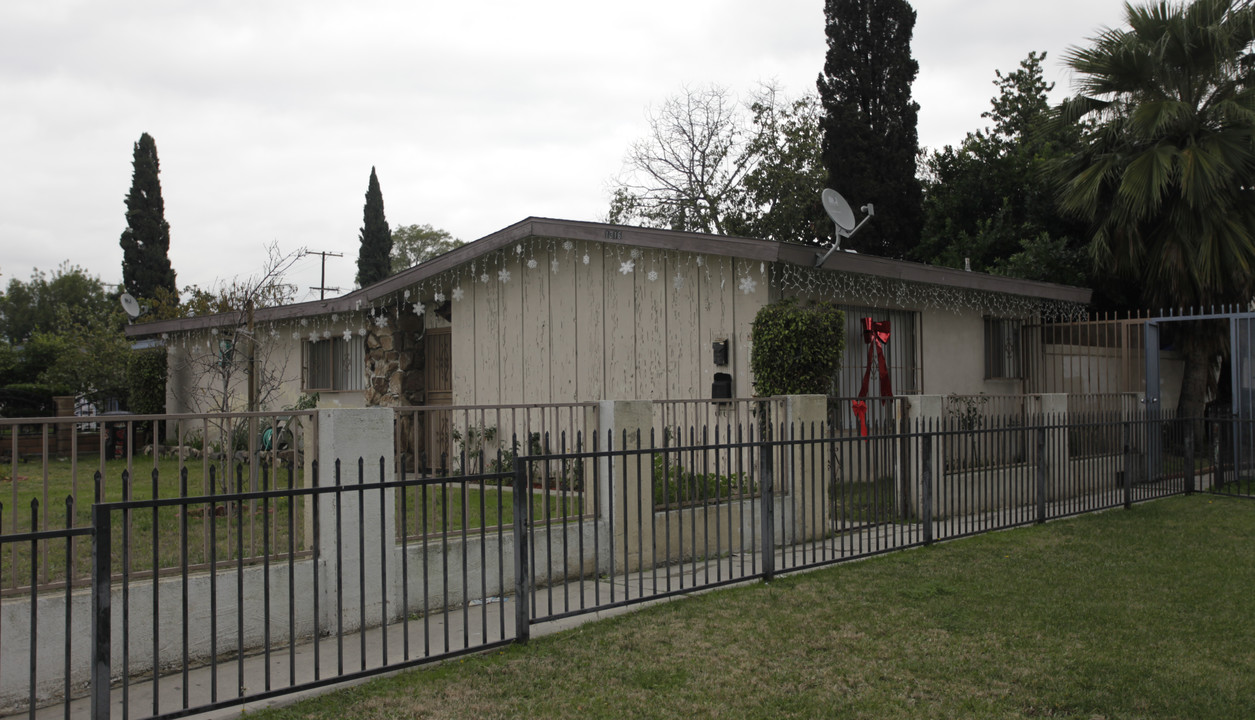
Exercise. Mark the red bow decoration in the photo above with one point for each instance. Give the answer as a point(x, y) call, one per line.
point(875, 334)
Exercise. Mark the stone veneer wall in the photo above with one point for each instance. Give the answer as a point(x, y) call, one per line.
point(395, 376)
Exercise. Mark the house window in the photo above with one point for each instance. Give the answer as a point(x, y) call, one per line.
point(900, 352)
point(335, 364)
point(1002, 349)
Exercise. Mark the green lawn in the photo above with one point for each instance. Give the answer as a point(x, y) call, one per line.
point(1124, 614)
point(247, 528)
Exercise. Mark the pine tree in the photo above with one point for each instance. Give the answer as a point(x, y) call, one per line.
point(870, 140)
point(146, 239)
point(373, 259)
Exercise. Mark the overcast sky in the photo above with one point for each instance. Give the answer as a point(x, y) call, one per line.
point(269, 115)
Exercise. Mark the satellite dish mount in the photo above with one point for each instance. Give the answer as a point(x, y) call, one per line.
point(843, 218)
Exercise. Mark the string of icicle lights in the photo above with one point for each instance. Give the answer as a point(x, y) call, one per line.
point(676, 270)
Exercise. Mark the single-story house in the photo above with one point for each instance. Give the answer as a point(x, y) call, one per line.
point(556, 311)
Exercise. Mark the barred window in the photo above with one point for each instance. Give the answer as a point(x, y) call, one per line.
point(1002, 349)
point(335, 364)
point(900, 351)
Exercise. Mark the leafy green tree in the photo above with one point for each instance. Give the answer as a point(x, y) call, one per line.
point(32, 306)
point(989, 201)
point(373, 263)
point(64, 332)
point(783, 189)
point(870, 140)
point(1165, 173)
point(90, 353)
point(146, 239)
point(414, 244)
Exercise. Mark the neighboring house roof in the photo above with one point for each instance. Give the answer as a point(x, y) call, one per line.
point(715, 245)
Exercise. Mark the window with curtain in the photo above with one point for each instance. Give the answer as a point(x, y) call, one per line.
point(335, 364)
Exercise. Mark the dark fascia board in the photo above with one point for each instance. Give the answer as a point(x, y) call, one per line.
point(701, 243)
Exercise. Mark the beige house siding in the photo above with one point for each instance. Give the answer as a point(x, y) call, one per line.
point(555, 311)
point(579, 331)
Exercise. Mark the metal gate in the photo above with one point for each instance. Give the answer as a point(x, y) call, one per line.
point(1230, 426)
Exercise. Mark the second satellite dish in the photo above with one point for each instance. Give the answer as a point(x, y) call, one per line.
point(131, 306)
point(838, 209)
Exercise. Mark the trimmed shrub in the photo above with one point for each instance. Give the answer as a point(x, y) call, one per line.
point(797, 350)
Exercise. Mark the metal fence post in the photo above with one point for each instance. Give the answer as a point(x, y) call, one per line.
point(522, 578)
point(102, 572)
point(1189, 457)
point(768, 511)
point(1128, 468)
point(926, 487)
point(1041, 473)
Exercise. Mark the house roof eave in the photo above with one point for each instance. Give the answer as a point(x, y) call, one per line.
point(701, 243)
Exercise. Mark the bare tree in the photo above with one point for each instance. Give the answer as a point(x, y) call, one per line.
point(687, 173)
point(713, 164)
point(241, 368)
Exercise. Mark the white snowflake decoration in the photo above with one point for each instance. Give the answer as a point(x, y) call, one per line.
point(531, 264)
point(215, 330)
point(419, 309)
point(636, 254)
point(406, 296)
point(653, 275)
point(361, 331)
point(748, 285)
point(699, 261)
point(334, 317)
point(296, 334)
point(567, 245)
point(440, 298)
point(166, 336)
point(457, 293)
point(585, 258)
point(627, 266)
point(348, 335)
point(503, 275)
point(483, 277)
point(313, 336)
point(381, 321)
point(678, 282)
point(518, 249)
point(326, 334)
point(554, 265)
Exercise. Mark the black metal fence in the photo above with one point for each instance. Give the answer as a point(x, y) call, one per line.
point(403, 568)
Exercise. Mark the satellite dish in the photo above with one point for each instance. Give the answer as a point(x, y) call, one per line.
point(131, 306)
point(843, 216)
point(839, 210)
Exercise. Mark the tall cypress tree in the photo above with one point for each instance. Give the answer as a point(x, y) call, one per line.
point(373, 259)
point(870, 141)
point(146, 239)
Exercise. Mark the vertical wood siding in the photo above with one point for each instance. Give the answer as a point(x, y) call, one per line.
point(582, 332)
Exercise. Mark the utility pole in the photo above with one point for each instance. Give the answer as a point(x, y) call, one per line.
point(322, 288)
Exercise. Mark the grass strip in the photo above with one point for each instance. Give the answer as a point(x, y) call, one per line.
point(1123, 614)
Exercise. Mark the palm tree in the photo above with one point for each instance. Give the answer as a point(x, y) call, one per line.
point(1166, 170)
